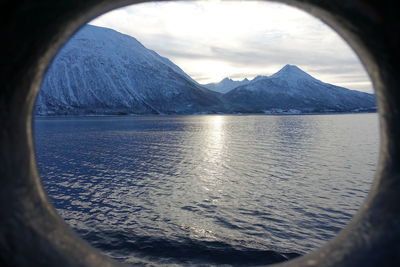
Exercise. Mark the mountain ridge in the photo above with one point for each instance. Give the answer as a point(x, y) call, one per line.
point(292, 89)
point(225, 85)
point(101, 71)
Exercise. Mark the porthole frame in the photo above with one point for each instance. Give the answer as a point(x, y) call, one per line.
point(31, 231)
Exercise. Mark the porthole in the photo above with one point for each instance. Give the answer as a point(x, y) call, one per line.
point(50, 242)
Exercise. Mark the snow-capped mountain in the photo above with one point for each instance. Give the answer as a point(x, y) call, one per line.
point(293, 90)
point(102, 71)
point(225, 85)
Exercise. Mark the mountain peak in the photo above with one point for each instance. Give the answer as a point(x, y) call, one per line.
point(225, 85)
point(291, 68)
point(227, 79)
point(291, 72)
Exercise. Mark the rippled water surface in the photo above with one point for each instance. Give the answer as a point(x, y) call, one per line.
point(207, 189)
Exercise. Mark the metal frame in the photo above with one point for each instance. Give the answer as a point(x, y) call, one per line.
point(33, 234)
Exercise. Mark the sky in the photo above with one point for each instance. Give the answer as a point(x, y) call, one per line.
point(213, 40)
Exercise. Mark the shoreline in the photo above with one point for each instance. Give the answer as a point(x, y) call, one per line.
point(202, 114)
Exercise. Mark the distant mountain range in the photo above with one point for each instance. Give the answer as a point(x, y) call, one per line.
point(101, 71)
point(293, 90)
point(226, 85)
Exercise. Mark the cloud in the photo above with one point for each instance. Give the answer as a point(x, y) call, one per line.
point(213, 40)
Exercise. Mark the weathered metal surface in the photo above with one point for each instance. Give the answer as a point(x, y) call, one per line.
point(31, 232)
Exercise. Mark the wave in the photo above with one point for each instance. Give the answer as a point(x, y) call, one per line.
point(125, 246)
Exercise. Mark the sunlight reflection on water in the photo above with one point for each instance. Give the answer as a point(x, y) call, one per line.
point(286, 183)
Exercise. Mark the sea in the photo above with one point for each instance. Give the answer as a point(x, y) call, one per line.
point(207, 190)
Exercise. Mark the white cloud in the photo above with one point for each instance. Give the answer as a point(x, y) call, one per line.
point(213, 40)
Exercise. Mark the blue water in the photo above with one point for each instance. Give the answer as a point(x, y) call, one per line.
point(207, 189)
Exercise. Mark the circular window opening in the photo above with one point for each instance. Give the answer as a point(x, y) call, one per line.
point(254, 160)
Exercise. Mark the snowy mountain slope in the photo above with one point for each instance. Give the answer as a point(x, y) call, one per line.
point(225, 85)
point(294, 90)
point(102, 71)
